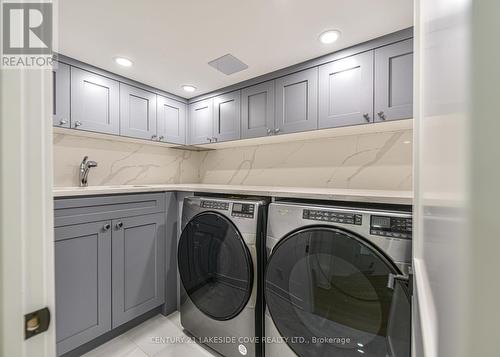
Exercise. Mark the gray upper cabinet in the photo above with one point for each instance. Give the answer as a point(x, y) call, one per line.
point(297, 102)
point(171, 120)
point(83, 283)
point(257, 110)
point(201, 122)
point(95, 102)
point(138, 266)
point(137, 112)
point(346, 91)
point(60, 95)
point(394, 81)
point(227, 117)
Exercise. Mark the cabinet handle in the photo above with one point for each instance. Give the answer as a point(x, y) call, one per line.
point(153, 136)
point(277, 130)
point(119, 225)
point(63, 121)
point(209, 140)
point(367, 117)
point(78, 123)
point(269, 131)
point(214, 139)
point(161, 138)
point(381, 115)
point(106, 227)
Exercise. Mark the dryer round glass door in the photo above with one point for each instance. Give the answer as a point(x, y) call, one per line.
point(215, 266)
point(327, 293)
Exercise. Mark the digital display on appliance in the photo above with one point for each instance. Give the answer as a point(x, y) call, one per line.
point(237, 207)
point(382, 222)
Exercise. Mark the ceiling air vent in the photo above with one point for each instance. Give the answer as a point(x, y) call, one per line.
point(228, 64)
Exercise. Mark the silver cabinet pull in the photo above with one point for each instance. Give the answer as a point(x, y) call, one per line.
point(63, 121)
point(161, 138)
point(209, 140)
point(119, 225)
point(78, 123)
point(214, 139)
point(153, 137)
point(367, 117)
point(269, 131)
point(381, 115)
point(277, 130)
point(106, 227)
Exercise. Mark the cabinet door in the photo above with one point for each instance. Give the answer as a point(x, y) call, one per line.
point(60, 95)
point(227, 116)
point(346, 91)
point(297, 102)
point(138, 256)
point(137, 113)
point(171, 120)
point(201, 122)
point(394, 81)
point(95, 102)
point(83, 283)
point(257, 110)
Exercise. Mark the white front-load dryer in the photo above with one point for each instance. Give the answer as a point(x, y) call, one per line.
point(220, 257)
point(336, 281)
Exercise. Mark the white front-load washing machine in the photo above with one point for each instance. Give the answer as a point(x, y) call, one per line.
point(336, 281)
point(220, 261)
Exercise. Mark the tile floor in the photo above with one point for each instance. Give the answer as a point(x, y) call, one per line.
point(159, 336)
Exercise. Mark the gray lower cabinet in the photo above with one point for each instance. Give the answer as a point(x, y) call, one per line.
point(297, 102)
point(95, 102)
point(227, 117)
point(137, 113)
point(60, 95)
point(83, 283)
point(346, 91)
point(171, 120)
point(138, 272)
point(257, 110)
point(109, 263)
point(394, 81)
point(201, 122)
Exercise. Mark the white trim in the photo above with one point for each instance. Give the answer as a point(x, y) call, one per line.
point(27, 244)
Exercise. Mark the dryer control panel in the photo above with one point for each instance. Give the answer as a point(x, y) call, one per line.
point(331, 216)
point(245, 210)
point(215, 205)
point(395, 227)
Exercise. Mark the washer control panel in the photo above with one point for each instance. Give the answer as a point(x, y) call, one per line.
point(215, 205)
point(335, 217)
point(395, 227)
point(245, 210)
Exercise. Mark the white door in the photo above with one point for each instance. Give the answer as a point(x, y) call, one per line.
point(456, 179)
point(26, 234)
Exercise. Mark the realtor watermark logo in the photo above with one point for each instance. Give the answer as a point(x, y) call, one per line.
point(27, 34)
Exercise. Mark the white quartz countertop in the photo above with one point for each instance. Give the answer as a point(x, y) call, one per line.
point(353, 195)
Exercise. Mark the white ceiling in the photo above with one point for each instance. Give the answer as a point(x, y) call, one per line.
point(171, 41)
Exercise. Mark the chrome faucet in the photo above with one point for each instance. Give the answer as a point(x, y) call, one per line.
point(84, 170)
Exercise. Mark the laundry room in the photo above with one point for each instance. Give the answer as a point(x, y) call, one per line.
point(268, 178)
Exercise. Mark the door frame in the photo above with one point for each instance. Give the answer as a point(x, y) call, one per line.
point(26, 209)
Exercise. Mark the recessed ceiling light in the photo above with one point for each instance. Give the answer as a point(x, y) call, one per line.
point(122, 61)
point(329, 36)
point(188, 88)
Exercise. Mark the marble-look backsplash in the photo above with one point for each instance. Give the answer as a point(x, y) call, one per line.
point(366, 161)
point(121, 163)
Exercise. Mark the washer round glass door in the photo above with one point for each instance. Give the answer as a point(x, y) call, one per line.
point(326, 291)
point(215, 266)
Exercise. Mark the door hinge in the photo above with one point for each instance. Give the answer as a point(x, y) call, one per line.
point(36, 322)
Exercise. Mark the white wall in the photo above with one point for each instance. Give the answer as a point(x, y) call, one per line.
point(362, 161)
